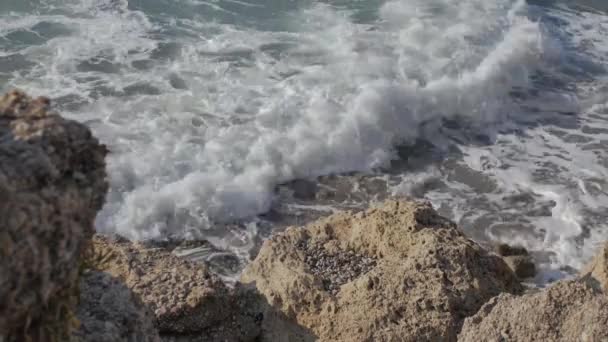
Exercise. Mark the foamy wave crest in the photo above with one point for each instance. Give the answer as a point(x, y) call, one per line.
point(354, 91)
point(203, 125)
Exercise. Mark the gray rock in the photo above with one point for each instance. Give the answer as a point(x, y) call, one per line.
point(567, 311)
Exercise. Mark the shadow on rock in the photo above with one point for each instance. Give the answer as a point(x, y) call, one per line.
point(110, 311)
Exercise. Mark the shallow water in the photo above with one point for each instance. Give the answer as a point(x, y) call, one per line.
point(494, 110)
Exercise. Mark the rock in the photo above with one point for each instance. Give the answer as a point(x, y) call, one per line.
point(184, 296)
point(598, 268)
point(421, 277)
point(52, 183)
point(506, 250)
point(518, 259)
point(241, 325)
point(303, 189)
point(521, 265)
point(108, 311)
point(568, 311)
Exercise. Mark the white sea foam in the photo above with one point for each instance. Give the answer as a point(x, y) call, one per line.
point(353, 92)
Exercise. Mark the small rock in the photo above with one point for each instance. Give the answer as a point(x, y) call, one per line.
point(522, 265)
point(504, 250)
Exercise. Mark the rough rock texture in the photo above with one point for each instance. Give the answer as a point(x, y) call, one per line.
point(335, 267)
point(108, 311)
point(568, 311)
point(427, 278)
point(598, 268)
point(52, 182)
point(241, 325)
point(184, 296)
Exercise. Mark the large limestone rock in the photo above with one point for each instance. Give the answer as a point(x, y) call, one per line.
point(109, 311)
point(52, 182)
point(568, 311)
point(184, 297)
point(597, 269)
point(399, 272)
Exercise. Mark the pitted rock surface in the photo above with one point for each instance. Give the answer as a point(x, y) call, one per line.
point(184, 297)
point(428, 277)
point(337, 267)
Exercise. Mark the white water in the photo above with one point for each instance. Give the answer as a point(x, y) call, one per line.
point(206, 113)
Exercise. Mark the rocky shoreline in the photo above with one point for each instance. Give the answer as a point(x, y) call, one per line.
point(395, 272)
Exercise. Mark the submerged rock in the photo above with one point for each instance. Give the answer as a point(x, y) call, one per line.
point(420, 278)
point(52, 183)
point(568, 311)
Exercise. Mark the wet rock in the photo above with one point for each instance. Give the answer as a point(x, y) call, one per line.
point(184, 297)
point(52, 183)
point(109, 311)
point(597, 269)
point(420, 277)
point(568, 311)
point(506, 250)
point(518, 259)
point(303, 189)
point(521, 265)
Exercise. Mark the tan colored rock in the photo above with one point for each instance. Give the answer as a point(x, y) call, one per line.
point(598, 268)
point(52, 182)
point(109, 311)
point(183, 296)
point(568, 311)
point(418, 278)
